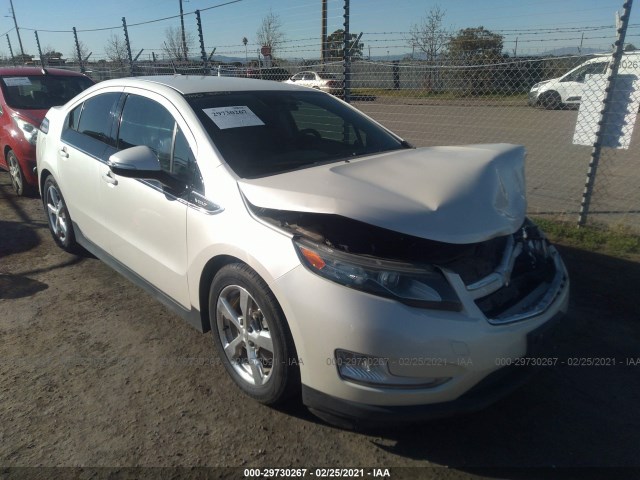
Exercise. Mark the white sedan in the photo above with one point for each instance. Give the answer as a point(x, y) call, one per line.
point(330, 259)
point(327, 82)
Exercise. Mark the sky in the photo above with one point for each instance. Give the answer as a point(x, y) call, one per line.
point(528, 26)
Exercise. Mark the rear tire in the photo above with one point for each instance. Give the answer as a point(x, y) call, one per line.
point(58, 217)
point(251, 335)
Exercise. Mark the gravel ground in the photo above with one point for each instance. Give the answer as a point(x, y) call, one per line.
point(95, 373)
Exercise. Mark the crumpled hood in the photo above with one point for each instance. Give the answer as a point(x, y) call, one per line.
point(462, 194)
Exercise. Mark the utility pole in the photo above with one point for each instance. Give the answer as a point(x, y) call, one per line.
point(184, 39)
point(15, 22)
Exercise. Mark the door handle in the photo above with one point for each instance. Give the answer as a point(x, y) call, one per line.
point(108, 177)
point(63, 152)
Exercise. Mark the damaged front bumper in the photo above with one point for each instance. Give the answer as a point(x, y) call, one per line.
point(400, 357)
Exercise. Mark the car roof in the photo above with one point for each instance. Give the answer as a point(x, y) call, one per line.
point(187, 84)
point(37, 72)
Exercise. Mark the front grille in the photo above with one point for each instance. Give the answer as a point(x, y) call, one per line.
point(530, 279)
point(478, 261)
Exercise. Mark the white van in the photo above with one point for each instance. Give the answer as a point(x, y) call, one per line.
point(567, 89)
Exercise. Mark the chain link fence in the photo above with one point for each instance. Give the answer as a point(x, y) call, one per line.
point(551, 104)
point(450, 104)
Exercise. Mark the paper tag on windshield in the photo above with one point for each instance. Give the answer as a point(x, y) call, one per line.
point(16, 81)
point(233, 117)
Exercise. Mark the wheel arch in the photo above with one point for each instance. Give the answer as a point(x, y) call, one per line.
point(211, 268)
point(43, 178)
point(544, 99)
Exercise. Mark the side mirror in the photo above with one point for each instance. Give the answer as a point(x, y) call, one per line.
point(135, 162)
point(141, 162)
point(292, 79)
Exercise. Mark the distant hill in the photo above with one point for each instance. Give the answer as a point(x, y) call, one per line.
point(559, 52)
point(225, 59)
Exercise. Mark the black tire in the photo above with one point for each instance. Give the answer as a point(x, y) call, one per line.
point(550, 100)
point(17, 176)
point(273, 376)
point(58, 217)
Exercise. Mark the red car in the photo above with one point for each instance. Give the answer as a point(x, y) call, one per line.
point(26, 94)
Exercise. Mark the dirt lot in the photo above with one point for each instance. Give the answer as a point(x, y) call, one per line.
point(93, 372)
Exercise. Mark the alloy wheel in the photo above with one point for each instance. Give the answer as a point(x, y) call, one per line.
point(56, 213)
point(17, 181)
point(245, 335)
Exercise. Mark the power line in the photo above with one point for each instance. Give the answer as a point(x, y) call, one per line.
point(101, 29)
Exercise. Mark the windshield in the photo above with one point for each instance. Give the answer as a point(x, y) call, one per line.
point(269, 132)
point(42, 92)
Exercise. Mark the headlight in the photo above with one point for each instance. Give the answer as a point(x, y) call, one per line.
point(29, 130)
point(418, 286)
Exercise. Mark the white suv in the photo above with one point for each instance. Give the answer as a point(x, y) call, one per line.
point(329, 257)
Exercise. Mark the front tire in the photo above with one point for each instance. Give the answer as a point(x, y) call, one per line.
point(550, 100)
point(251, 335)
point(58, 216)
point(17, 177)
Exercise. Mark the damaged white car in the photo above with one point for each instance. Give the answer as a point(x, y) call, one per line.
point(329, 258)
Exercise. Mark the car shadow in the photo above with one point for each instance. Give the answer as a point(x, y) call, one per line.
point(17, 237)
point(18, 286)
point(581, 412)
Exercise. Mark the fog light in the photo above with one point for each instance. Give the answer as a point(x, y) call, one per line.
point(374, 371)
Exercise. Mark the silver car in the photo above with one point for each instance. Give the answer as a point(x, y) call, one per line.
point(330, 259)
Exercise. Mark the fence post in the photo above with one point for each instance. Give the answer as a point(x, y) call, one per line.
point(395, 68)
point(75, 36)
point(203, 52)
point(13, 59)
point(346, 55)
point(39, 50)
point(126, 42)
point(612, 73)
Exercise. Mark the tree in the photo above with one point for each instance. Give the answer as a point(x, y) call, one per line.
point(116, 50)
point(84, 51)
point(52, 56)
point(25, 59)
point(335, 45)
point(480, 49)
point(270, 33)
point(476, 45)
point(429, 36)
point(173, 46)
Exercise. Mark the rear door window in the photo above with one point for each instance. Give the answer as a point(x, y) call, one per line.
point(96, 118)
point(89, 126)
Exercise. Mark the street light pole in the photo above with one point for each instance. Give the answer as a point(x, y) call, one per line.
point(246, 55)
point(13, 12)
